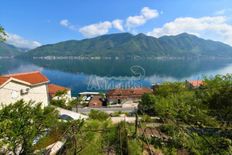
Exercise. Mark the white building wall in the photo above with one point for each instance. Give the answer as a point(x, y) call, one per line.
point(10, 93)
point(68, 95)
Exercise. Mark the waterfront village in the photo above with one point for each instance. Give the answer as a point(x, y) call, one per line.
point(36, 87)
point(118, 129)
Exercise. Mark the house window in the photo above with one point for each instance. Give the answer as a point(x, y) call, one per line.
point(24, 91)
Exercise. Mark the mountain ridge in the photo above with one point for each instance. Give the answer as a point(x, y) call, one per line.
point(129, 45)
point(7, 50)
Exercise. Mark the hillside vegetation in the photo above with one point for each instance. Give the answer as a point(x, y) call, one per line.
point(7, 50)
point(128, 45)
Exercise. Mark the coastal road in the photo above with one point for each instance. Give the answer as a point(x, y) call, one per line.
point(86, 110)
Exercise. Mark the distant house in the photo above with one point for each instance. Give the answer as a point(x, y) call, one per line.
point(26, 86)
point(54, 89)
point(121, 95)
point(86, 97)
point(96, 102)
point(194, 83)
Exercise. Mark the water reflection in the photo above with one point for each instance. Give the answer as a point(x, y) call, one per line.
point(92, 75)
point(173, 68)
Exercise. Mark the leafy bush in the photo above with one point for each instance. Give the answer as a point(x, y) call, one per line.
point(134, 147)
point(118, 113)
point(168, 129)
point(61, 103)
point(98, 115)
point(146, 118)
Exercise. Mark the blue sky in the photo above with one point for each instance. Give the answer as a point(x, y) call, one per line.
point(31, 23)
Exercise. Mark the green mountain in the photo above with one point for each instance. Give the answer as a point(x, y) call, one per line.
point(7, 50)
point(128, 45)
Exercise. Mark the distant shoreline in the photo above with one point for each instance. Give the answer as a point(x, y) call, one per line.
point(125, 58)
point(6, 57)
point(117, 58)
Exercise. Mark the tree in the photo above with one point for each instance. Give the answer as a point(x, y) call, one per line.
point(2, 34)
point(183, 107)
point(169, 88)
point(59, 103)
point(21, 123)
point(172, 101)
point(216, 94)
point(147, 104)
point(75, 103)
point(190, 116)
point(61, 93)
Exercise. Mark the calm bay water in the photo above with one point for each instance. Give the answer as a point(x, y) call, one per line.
point(100, 75)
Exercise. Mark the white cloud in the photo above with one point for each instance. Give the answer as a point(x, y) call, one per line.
point(148, 13)
point(64, 23)
point(96, 29)
point(67, 24)
point(104, 27)
point(214, 27)
point(117, 24)
point(145, 15)
point(134, 21)
point(101, 28)
point(21, 42)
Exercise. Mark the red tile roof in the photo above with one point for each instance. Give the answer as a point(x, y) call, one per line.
point(53, 89)
point(128, 93)
point(30, 77)
point(195, 83)
point(3, 80)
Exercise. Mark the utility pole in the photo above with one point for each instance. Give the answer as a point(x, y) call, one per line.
point(136, 124)
point(77, 107)
point(77, 103)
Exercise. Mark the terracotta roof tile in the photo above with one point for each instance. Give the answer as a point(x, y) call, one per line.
point(53, 89)
point(195, 83)
point(3, 80)
point(29, 77)
point(125, 93)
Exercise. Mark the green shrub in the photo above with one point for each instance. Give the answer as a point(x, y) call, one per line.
point(134, 147)
point(61, 103)
point(98, 115)
point(146, 118)
point(168, 129)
